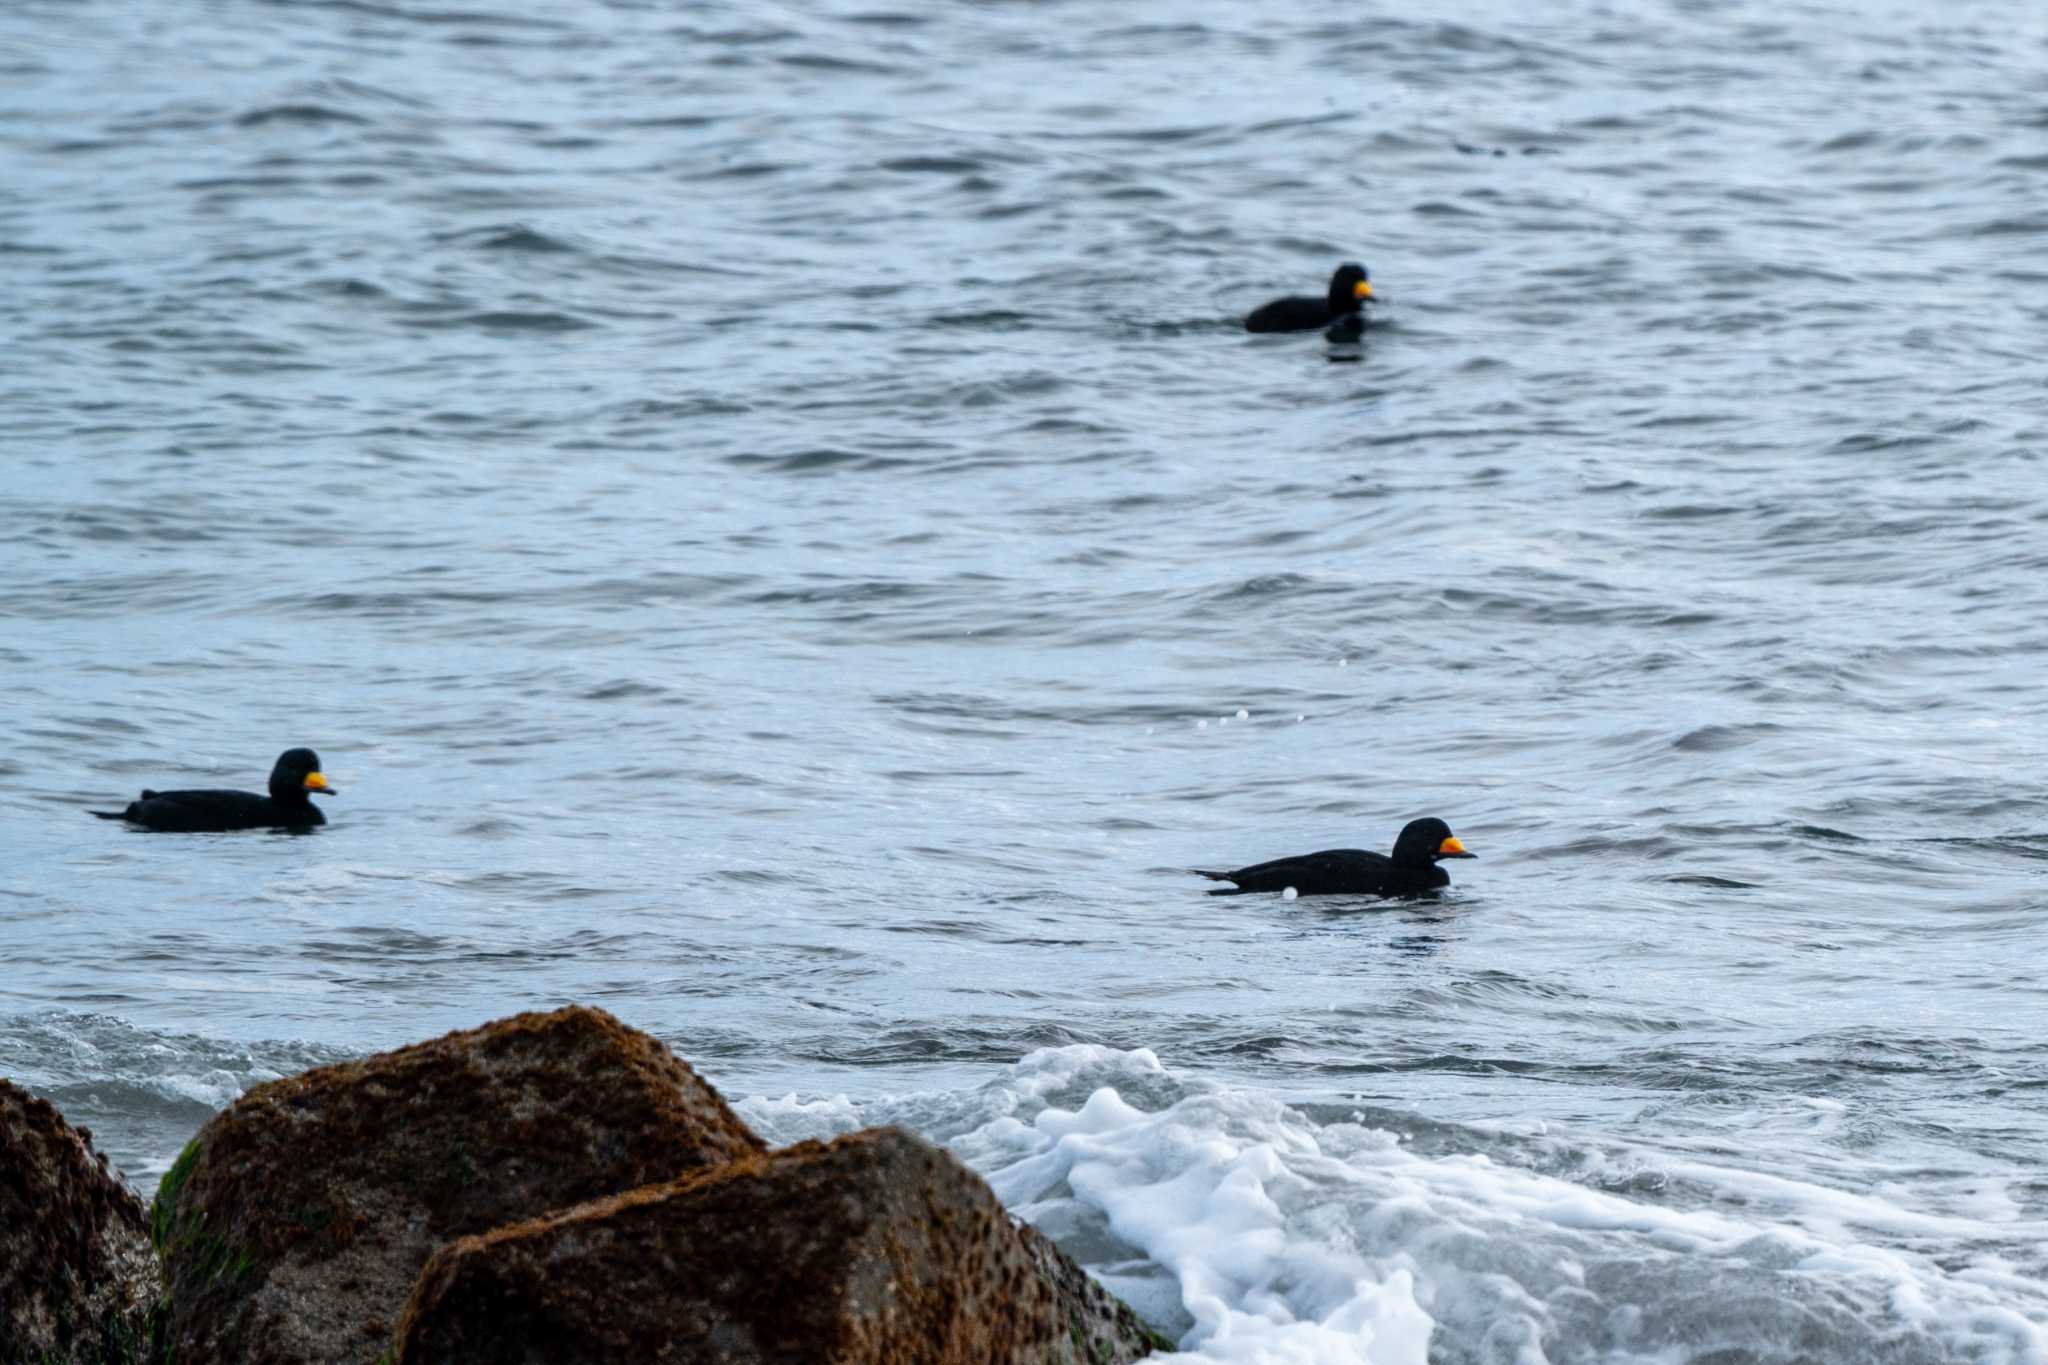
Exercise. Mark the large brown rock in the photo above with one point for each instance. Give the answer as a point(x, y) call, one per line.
point(874, 1249)
point(293, 1226)
point(77, 1277)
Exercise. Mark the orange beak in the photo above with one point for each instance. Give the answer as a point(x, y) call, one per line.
point(317, 782)
point(1451, 848)
point(1362, 290)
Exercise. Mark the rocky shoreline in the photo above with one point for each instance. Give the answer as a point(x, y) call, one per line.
point(549, 1187)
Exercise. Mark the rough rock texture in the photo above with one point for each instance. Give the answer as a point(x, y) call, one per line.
point(293, 1226)
point(77, 1277)
point(876, 1248)
point(1102, 1326)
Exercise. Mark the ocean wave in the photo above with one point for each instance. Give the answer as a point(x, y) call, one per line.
point(1259, 1234)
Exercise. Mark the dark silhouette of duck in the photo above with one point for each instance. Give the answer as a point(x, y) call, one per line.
point(1412, 871)
point(289, 806)
point(1350, 288)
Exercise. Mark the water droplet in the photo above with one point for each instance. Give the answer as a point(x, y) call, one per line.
point(1290, 894)
point(1243, 714)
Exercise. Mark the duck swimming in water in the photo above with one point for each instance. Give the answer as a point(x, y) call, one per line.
point(1412, 871)
point(289, 806)
point(1350, 290)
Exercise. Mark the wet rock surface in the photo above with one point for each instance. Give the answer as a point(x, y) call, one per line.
point(1102, 1327)
point(876, 1247)
point(293, 1226)
point(77, 1276)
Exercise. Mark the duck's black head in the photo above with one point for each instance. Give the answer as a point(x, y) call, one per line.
point(1349, 287)
point(1426, 840)
point(296, 775)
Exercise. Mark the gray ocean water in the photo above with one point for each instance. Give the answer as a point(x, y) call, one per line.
point(768, 517)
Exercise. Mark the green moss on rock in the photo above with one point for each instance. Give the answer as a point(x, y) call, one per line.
point(293, 1227)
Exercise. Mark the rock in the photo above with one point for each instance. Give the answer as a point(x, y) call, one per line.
point(293, 1226)
point(77, 1276)
point(874, 1249)
point(1102, 1326)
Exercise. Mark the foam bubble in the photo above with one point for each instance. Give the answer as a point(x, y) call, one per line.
point(214, 1089)
point(1259, 1234)
point(790, 1119)
point(1219, 1211)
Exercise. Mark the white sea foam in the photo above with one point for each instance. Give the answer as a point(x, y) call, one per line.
point(1264, 1237)
point(214, 1089)
point(791, 1119)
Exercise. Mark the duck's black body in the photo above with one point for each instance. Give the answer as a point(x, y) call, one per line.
point(1412, 871)
point(1350, 288)
point(289, 805)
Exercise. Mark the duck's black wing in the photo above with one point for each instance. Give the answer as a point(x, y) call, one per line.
point(210, 812)
point(129, 812)
point(1334, 871)
point(1296, 314)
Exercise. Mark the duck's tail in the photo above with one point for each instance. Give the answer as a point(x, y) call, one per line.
point(109, 814)
point(1232, 890)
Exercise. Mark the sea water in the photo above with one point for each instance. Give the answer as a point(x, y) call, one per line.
point(769, 521)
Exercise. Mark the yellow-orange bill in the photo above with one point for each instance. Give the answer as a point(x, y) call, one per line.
point(1362, 290)
point(1450, 845)
point(317, 782)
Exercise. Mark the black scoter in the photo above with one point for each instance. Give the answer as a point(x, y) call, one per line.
point(1412, 871)
point(1350, 289)
point(289, 806)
